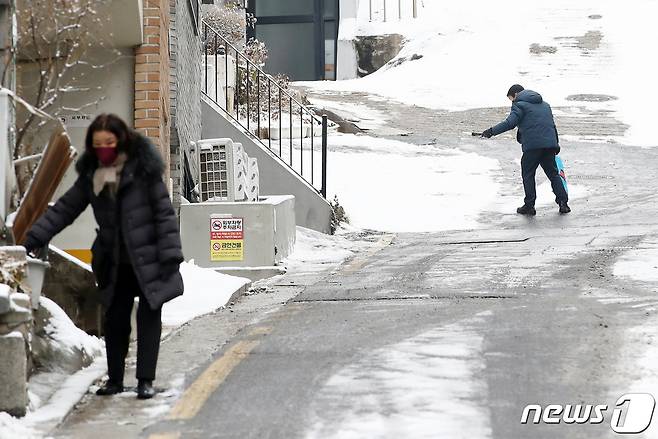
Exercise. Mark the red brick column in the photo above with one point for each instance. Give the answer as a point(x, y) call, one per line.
point(152, 109)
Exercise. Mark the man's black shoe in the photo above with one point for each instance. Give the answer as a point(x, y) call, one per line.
point(110, 388)
point(526, 210)
point(564, 207)
point(145, 389)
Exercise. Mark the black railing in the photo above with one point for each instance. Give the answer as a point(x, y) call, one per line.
point(384, 10)
point(264, 108)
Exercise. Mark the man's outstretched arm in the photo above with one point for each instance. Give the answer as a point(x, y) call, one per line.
point(511, 122)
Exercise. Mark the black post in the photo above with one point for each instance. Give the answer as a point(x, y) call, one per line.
point(205, 54)
point(269, 112)
point(248, 91)
point(214, 49)
point(228, 111)
point(324, 156)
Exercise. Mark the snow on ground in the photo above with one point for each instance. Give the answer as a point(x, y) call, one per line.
point(54, 392)
point(640, 263)
point(205, 291)
point(315, 249)
point(508, 202)
point(640, 352)
point(12, 428)
point(473, 50)
point(399, 187)
point(427, 386)
point(361, 115)
point(639, 366)
point(63, 332)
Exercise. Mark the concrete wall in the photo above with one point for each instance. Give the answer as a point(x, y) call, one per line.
point(269, 231)
point(7, 179)
point(347, 66)
point(185, 84)
point(311, 210)
point(108, 91)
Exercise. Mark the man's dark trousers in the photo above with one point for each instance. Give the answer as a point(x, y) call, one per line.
point(546, 159)
point(117, 329)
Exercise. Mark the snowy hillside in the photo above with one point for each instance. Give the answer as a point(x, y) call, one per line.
point(586, 53)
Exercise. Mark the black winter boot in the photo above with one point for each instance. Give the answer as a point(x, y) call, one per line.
point(110, 388)
point(526, 210)
point(564, 207)
point(145, 389)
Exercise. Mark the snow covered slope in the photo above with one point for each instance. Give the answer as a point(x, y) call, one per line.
point(586, 53)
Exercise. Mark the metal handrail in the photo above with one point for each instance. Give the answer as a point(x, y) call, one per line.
point(414, 9)
point(275, 94)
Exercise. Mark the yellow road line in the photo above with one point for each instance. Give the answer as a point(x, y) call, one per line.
point(198, 393)
point(260, 330)
point(358, 262)
point(165, 436)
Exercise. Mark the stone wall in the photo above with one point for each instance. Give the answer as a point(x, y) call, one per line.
point(185, 85)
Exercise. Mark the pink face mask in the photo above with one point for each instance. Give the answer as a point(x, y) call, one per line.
point(106, 155)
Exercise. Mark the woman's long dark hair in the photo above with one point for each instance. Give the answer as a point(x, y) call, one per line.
point(115, 125)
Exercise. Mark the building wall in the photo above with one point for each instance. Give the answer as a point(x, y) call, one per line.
point(105, 91)
point(185, 85)
point(346, 62)
point(152, 95)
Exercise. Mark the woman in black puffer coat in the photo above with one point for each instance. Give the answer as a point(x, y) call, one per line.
point(137, 251)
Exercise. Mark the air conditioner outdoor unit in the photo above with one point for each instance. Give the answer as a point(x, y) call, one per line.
point(216, 170)
point(226, 172)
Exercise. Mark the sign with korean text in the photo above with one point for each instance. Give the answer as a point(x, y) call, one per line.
point(226, 239)
point(76, 120)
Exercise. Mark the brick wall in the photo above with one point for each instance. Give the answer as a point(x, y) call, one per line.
point(152, 68)
point(185, 85)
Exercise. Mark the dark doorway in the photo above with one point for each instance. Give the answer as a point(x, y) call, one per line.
point(301, 35)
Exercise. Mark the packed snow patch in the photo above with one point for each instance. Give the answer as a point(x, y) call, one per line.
point(640, 263)
point(318, 249)
point(67, 395)
point(394, 186)
point(205, 291)
point(427, 386)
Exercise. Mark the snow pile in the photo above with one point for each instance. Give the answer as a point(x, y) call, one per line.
point(473, 50)
point(399, 187)
point(315, 249)
point(68, 393)
point(59, 349)
point(68, 346)
point(427, 386)
point(205, 291)
point(639, 264)
point(12, 428)
point(68, 361)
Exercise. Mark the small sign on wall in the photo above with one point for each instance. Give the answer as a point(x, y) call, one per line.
point(77, 120)
point(226, 238)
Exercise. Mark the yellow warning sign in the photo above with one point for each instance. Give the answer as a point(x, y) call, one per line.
point(226, 239)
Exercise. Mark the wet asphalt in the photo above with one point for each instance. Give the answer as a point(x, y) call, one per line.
point(549, 321)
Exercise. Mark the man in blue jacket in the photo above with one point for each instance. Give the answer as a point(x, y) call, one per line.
point(539, 141)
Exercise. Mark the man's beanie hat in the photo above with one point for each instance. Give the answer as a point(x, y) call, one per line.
point(516, 88)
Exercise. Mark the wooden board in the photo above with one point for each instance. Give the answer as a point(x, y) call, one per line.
point(57, 157)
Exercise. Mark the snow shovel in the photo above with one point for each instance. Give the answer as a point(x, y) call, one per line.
point(560, 170)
